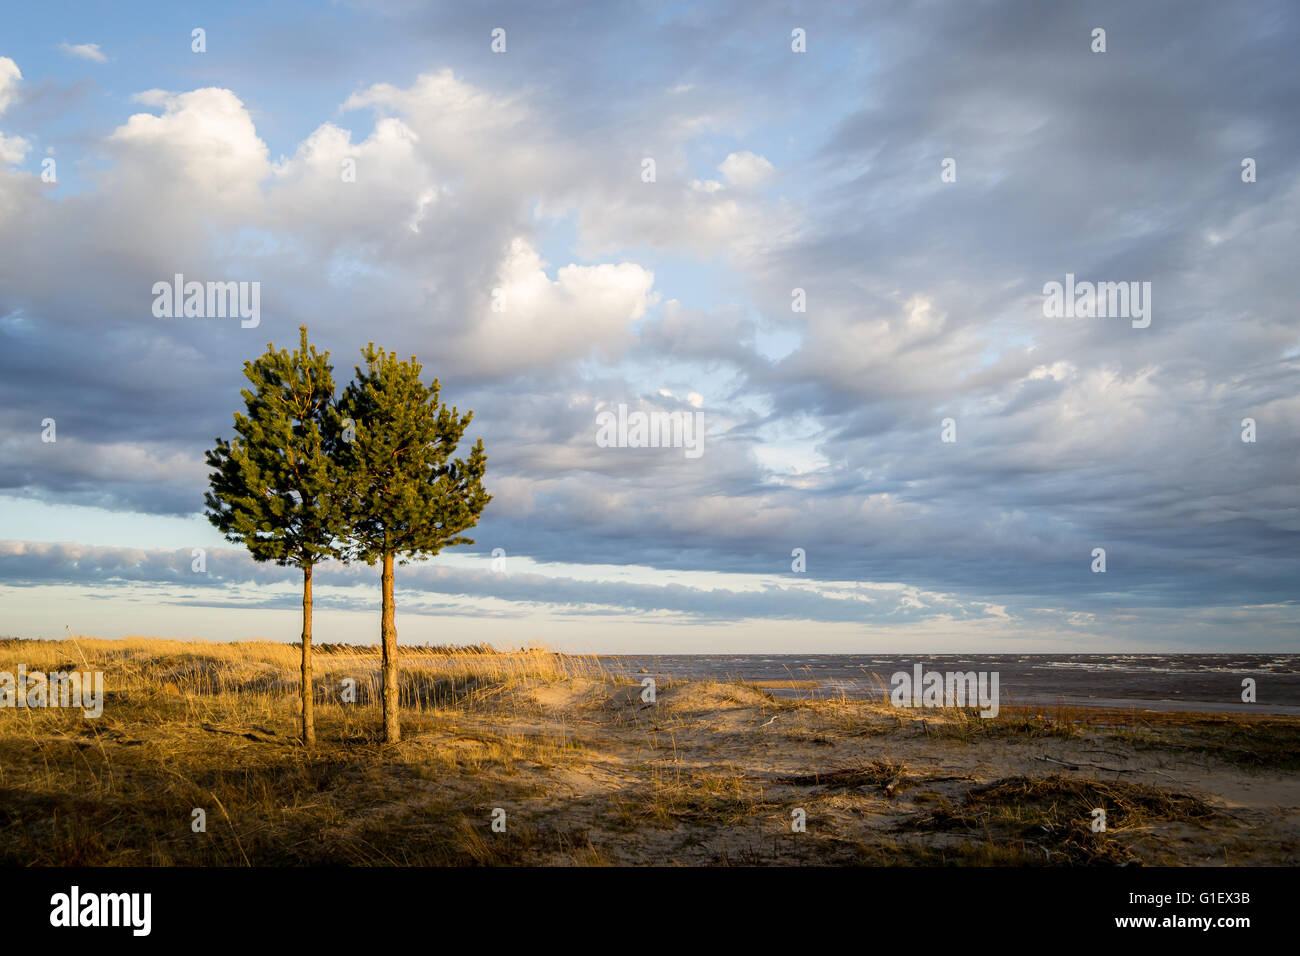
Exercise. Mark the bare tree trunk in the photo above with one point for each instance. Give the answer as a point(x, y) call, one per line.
point(388, 632)
point(308, 719)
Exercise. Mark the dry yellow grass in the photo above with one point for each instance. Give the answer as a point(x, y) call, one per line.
point(587, 772)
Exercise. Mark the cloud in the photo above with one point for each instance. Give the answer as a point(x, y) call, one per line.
point(26, 564)
point(10, 77)
point(531, 319)
point(745, 169)
point(12, 148)
point(84, 51)
point(204, 141)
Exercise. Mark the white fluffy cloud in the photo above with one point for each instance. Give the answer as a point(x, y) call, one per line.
point(745, 169)
point(336, 193)
point(417, 223)
point(204, 141)
point(583, 310)
point(12, 148)
point(10, 77)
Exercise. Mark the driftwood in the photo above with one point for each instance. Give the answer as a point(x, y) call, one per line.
point(1072, 766)
point(877, 774)
point(1098, 766)
point(240, 733)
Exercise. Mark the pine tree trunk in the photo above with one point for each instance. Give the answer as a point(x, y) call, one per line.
point(308, 719)
point(392, 729)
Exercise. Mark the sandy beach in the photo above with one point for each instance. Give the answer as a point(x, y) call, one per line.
point(576, 767)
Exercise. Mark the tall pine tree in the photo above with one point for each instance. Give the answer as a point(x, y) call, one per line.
point(406, 495)
point(274, 487)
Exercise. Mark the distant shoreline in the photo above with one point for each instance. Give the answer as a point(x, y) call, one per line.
point(1191, 682)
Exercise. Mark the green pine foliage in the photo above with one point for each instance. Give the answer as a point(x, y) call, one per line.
point(272, 487)
point(407, 495)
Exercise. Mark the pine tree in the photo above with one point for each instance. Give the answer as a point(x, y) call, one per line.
point(274, 487)
point(406, 496)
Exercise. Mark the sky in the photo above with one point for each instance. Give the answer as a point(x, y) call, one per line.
point(840, 263)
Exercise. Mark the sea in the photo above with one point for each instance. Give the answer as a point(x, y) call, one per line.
point(1157, 682)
